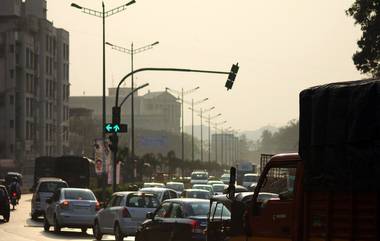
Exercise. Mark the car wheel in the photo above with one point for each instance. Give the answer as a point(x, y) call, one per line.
point(118, 234)
point(57, 228)
point(34, 216)
point(6, 217)
point(84, 230)
point(46, 225)
point(97, 232)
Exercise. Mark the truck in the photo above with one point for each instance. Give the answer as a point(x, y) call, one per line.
point(329, 190)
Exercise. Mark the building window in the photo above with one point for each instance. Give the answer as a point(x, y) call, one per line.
point(11, 123)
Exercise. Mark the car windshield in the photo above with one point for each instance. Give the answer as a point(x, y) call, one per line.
point(142, 201)
point(251, 178)
point(51, 186)
point(195, 194)
point(197, 209)
point(78, 195)
point(158, 194)
point(218, 188)
point(199, 176)
point(175, 186)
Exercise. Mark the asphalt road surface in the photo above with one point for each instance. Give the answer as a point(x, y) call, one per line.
point(22, 228)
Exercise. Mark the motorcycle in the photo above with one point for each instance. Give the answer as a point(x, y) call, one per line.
point(14, 200)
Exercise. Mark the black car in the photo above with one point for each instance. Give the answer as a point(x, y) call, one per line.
point(176, 219)
point(4, 203)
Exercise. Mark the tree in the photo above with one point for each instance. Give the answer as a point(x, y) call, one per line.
point(367, 14)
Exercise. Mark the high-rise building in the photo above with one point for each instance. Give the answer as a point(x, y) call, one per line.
point(34, 83)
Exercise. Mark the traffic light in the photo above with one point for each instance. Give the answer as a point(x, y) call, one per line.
point(114, 139)
point(232, 76)
point(115, 115)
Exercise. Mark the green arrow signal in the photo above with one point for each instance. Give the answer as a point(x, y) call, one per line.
point(108, 127)
point(116, 128)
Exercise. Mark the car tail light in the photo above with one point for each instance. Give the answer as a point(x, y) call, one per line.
point(196, 227)
point(14, 194)
point(64, 204)
point(126, 213)
point(97, 206)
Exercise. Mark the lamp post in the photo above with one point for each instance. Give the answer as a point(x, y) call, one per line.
point(183, 93)
point(132, 52)
point(228, 141)
point(103, 14)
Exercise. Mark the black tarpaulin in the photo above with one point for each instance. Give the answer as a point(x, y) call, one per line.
point(340, 136)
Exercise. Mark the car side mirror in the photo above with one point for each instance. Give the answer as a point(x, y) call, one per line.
point(149, 215)
point(49, 201)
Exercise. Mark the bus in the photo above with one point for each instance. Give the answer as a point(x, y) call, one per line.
point(77, 171)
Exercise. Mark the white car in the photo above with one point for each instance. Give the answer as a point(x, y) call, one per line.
point(250, 180)
point(211, 182)
point(153, 184)
point(204, 187)
point(199, 177)
point(219, 188)
point(225, 178)
point(161, 193)
point(123, 214)
point(176, 186)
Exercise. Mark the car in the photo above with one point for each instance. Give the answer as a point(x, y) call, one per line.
point(250, 180)
point(123, 214)
point(71, 208)
point(196, 193)
point(214, 182)
point(225, 178)
point(263, 197)
point(176, 186)
point(219, 188)
point(238, 188)
point(4, 203)
point(176, 219)
point(153, 184)
point(9, 177)
point(199, 177)
point(45, 188)
point(162, 193)
point(204, 187)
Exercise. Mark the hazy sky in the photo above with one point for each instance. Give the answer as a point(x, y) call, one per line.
point(282, 46)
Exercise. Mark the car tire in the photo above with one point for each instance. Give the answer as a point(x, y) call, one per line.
point(34, 217)
point(46, 225)
point(57, 228)
point(118, 234)
point(97, 232)
point(84, 230)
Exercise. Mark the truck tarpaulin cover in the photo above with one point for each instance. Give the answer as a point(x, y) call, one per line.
point(340, 136)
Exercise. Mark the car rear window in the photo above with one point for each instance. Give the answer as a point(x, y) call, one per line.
point(197, 209)
point(142, 201)
point(199, 176)
point(175, 186)
point(218, 188)
point(51, 186)
point(78, 195)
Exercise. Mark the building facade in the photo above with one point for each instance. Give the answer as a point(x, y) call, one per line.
point(34, 83)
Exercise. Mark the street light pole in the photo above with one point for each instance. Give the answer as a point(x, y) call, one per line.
point(183, 131)
point(132, 52)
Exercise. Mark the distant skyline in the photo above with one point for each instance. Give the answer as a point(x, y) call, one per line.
point(282, 47)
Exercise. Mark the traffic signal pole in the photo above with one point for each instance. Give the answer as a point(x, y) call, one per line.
point(115, 140)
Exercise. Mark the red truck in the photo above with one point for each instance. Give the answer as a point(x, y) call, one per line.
point(330, 190)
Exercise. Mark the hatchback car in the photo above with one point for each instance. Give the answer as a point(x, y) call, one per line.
point(72, 208)
point(45, 188)
point(196, 193)
point(176, 186)
point(161, 193)
point(225, 178)
point(176, 219)
point(204, 187)
point(123, 214)
point(4, 203)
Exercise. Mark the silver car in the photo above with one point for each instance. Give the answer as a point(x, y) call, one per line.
point(161, 193)
point(44, 189)
point(123, 214)
point(72, 208)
